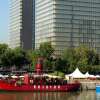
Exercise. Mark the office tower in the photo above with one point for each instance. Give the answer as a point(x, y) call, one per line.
point(68, 23)
point(22, 24)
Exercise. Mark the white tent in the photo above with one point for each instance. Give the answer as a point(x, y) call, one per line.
point(51, 76)
point(1, 75)
point(97, 76)
point(21, 76)
point(5, 76)
point(87, 74)
point(90, 76)
point(14, 76)
point(76, 74)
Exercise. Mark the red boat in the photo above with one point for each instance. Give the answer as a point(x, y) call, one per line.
point(39, 83)
point(26, 88)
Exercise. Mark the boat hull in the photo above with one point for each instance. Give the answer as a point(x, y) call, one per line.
point(40, 88)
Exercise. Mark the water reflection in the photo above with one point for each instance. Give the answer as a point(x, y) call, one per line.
point(98, 96)
point(85, 95)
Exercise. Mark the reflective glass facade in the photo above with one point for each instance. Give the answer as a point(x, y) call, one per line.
point(68, 23)
point(22, 24)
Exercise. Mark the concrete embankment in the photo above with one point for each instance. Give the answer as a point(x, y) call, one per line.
point(87, 84)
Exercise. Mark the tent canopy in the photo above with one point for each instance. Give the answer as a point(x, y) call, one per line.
point(77, 74)
point(87, 74)
point(51, 76)
point(90, 76)
point(1, 75)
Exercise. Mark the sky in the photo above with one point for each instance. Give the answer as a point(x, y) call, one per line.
point(4, 20)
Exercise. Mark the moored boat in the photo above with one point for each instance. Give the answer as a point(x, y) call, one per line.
point(26, 88)
point(38, 82)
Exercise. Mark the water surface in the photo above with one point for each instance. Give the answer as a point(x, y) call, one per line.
point(85, 95)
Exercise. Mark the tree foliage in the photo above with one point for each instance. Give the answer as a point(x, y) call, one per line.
point(12, 57)
point(3, 48)
point(81, 57)
point(7, 58)
point(46, 50)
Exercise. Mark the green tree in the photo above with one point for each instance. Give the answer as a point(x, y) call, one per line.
point(60, 65)
point(47, 65)
point(20, 58)
point(46, 50)
point(86, 56)
point(3, 48)
point(70, 57)
point(81, 53)
point(35, 56)
point(82, 57)
point(7, 58)
point(29, 56)
point(15, 57)
point(93, 57)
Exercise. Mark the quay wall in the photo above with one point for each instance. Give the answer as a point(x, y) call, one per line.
point(87, 84)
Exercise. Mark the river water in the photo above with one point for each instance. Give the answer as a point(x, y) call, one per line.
point(84, 95)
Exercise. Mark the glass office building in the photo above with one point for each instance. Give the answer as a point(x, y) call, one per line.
point(68, 23)
point(22, 24)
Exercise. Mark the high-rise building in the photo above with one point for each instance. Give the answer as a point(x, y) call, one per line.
point(22, 24)
point(68, 23)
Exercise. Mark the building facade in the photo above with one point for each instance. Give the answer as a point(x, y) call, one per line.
point(68, 23)
point(22, 24)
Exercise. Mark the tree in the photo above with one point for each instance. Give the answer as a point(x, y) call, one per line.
point(81, 53)
point(7, 58)
point(82, 57)
point(15, 57)
point(47, 64)
point(29, 56)
point(19, 57)
point(70, 57)
point(93, 57)
point(3, 48)
point(46, 50)
point(86, 56)
point(35, 56)
point(60, 65)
